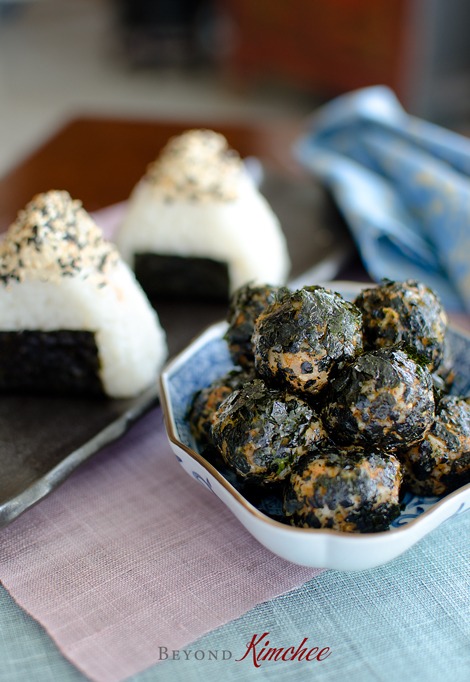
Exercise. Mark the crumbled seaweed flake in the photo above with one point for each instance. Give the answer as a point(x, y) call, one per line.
point(441, 462)
point(206, 401)
point(246, 304)
point(54, 237)
point(102, 262)
point(196, 166)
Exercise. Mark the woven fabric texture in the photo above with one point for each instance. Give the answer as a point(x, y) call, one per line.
point(129, 553)
point(407, 620)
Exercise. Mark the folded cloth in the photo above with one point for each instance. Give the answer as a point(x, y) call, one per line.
point(403, 186)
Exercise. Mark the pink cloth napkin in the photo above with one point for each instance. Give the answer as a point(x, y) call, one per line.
point(131, 554)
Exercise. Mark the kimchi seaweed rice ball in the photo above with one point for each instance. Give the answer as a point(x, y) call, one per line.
point(353, 491)
point(246, 304)
point(261, 431)
point(441, 462)
point(444, 377)
point(206, 401)
point(407, 313)
point(299, 338)
point(383, 399)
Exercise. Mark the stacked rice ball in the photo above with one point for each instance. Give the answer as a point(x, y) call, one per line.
point(338, 406)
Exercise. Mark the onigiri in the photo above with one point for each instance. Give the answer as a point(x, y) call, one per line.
point(197, 226)
point(73, 318)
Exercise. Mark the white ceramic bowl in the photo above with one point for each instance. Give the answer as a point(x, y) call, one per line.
point(207, 358)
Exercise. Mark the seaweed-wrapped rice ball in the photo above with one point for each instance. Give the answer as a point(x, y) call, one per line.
point(444, 376)
point(246, 304)
point(352, 491)
point(407, 313)
point(382, 399)
point(196, 225)
point(441, 462)
point(206, 401)
point(262, 431)
point(73, 318)
point(301, 336)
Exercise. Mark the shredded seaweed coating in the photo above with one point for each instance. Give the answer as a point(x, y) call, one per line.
point(300, 337)
point(441, 462)
point(261, 431)
point(347, 408)
point(407, 313)
point(54, 237)
point(206, 401)
point(382, 398)
point(246, 305)
point(353, 491)
point(197, 166)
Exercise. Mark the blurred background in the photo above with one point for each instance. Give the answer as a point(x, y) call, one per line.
point(223, 59)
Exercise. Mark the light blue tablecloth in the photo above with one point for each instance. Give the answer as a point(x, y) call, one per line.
point(408, 620)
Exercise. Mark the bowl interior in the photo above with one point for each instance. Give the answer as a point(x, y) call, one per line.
point(207, 358)
point(204, 360)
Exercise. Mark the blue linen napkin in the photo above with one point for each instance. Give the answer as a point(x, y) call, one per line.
point(403, 186)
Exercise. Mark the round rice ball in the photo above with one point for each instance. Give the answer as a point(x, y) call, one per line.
point(441, 462)
point(246, 304)
point(262, 431)
point(383, 399)
point(407, 313)
point(353, 491)
point(301, 336)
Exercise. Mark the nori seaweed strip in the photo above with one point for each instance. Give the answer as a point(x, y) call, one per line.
point(54, 362)
point(175, 277)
